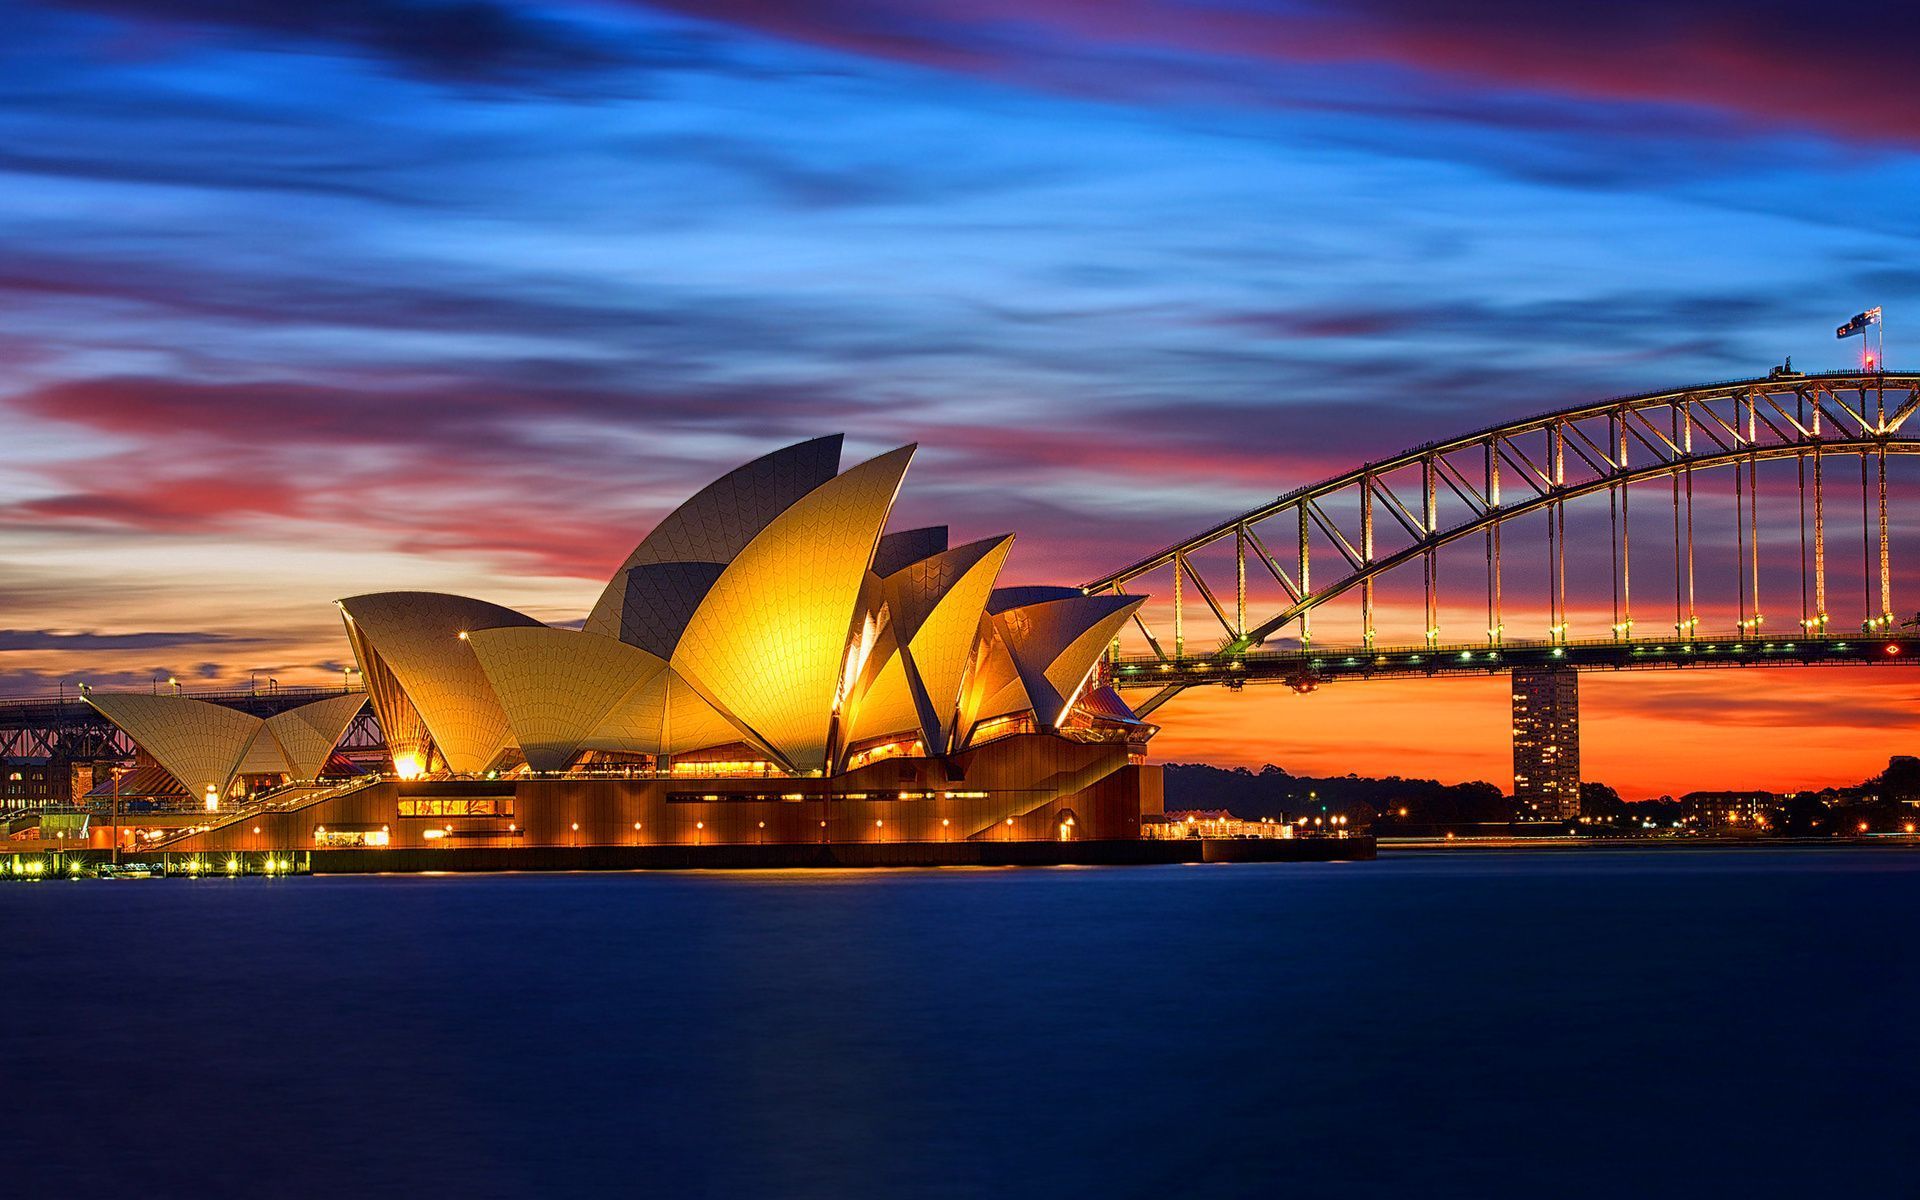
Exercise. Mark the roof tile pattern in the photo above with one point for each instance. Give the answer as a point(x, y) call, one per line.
point(886, 702)
point(768, 645)
point(408, 740)
point(1019, 597)
point(308, 734)
point(907, 546)
point(987, 679)
point(557, 686)
point(721, 518)
point(1055, 645)
point(661, 599)
point(264, 755)
point(200, 744)
point(938, 604)
point(207, 745)
point(417, 635)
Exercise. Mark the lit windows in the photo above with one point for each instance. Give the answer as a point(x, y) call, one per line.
point(343, 838)
point(483, 806)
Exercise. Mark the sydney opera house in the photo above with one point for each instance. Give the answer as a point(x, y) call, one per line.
point(771, 665)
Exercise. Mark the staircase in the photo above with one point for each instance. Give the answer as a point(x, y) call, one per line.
point(282, 799)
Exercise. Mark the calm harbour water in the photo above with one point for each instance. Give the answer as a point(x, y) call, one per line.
point(1588, 1023)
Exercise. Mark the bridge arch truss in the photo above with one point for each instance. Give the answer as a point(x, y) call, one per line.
point(1398, 513)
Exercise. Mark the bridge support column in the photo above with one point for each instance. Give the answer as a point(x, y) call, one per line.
point(1546, 742)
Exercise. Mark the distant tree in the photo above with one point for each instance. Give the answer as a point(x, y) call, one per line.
point(1600, 801)
point(1274, 792)
point(1900, 781)
point(1806, 815)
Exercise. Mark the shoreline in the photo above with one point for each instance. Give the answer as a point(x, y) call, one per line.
point(1389, 845)
point(776, 856)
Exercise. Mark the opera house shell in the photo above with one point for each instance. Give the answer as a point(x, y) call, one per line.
point(770, 662)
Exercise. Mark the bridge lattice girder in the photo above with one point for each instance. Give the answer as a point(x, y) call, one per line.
point(1504, 473)
point(68, 729)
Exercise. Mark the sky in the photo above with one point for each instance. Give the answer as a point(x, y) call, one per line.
point(305, 299)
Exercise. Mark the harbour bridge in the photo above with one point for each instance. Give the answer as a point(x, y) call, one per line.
point(1714, 525)
point(1705, 526)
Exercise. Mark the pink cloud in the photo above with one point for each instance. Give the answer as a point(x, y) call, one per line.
point(1741, 60)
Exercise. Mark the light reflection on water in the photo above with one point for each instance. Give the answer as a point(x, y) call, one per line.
point(1453, 1023)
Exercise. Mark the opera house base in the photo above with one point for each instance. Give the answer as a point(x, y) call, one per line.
point(1026, 799)
point(1131, 852)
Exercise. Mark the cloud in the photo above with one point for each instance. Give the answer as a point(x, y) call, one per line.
point(78, 641)
point(1702, 322)
point(471, 41)
point(1719, 56)
point(1775, 698)
point(546, 477)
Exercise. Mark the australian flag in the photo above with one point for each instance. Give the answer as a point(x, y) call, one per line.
point(1858, 324)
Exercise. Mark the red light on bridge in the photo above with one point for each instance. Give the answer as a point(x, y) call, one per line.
point(1892, 649)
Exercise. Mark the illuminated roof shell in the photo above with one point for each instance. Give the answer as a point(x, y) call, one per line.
point(199, 743)
point(308, 734)
point(661, 598)
point(768, 611)
point(717, 523)
point(557, 687)
point(768, 646)
point(938, 605)
point(416, 638)
point(206, 746)
point(1056, 643)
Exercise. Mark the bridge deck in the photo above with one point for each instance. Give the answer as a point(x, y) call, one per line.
point(1305, 667)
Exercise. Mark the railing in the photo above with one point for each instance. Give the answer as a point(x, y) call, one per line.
point(214, 695)
point(1305, 668)
point(282, 799)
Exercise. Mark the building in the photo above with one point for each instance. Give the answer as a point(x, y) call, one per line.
point(1213, 823)
point(31, 783)
point(1546, 742)
point(770, 664)
point(1728, 811)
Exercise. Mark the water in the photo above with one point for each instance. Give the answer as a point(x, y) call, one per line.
point(1562, 1024)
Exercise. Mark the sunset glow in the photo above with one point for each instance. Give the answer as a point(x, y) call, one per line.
point(388, 303)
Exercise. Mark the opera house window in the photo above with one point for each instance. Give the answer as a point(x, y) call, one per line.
point(480, 806)
point(350, 835)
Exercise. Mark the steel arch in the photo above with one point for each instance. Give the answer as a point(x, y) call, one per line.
point(1609, 446)
point(1537, 504)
